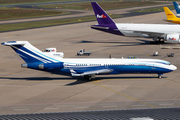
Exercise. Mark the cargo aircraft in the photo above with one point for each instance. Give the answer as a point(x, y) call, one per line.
point(88, 68)
point(170, 16)
point(165, 32)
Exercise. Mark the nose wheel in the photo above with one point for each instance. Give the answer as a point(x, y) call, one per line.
point(160, 76)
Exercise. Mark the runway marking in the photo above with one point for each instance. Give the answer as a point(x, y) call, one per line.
point(166, 104)
point(128, 79)
point(96, 81)
point(138, 105)
point(18, 81)
point(50, 108)
point(168, 79)
point(64, 105)
point(81, 107)
point(109, 106)
point(124, 95)
point(20, 109)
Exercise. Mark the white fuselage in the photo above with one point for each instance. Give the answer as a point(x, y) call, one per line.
point(147, 30)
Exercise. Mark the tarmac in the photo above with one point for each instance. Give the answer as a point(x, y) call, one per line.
point(24, 90)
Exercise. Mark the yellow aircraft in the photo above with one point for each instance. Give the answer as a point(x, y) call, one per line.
point(170, 16)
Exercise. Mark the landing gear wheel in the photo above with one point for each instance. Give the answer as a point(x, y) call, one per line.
point(159, 76)
point(86, 77)
point(90, 78)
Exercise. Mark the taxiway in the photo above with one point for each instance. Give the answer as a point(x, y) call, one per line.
point(30, 91)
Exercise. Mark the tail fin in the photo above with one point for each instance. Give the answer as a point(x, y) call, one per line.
point(101, 16)
point(29, 53)
point(169, 14)
point(177, 8)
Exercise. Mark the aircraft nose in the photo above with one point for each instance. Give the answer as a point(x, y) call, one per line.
point(173, 67)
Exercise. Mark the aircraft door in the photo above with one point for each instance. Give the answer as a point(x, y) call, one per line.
point(106, 65)
point(65, 66)
point(153, 67)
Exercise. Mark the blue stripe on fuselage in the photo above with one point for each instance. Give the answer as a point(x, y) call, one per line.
point(33, 53)
point(118, 69)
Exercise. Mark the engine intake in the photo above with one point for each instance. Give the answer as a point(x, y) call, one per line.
point(172, 38)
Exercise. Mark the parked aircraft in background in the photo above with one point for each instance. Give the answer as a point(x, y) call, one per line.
point(177, 8)
point(88, 68)
point(166, 32)
point(170, 16)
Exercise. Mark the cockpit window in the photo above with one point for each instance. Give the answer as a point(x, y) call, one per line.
point(46, 50)
point(168, 63)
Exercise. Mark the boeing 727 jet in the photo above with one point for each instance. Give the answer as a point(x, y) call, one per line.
point(166, 32)
point(88, 68)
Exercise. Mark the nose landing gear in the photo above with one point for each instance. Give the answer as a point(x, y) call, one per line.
point(160, 76)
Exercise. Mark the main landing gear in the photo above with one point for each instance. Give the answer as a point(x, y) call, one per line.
point(158, 40)
point(89, 77)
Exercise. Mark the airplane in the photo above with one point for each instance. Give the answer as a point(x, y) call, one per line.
point(170, 16)
point(87, 68)
point(166, 32)
point(177, 8)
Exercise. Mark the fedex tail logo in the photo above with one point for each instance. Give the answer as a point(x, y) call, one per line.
point(172, 38)
point(101, 16)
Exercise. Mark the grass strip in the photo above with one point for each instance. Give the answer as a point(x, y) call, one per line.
point(165, 0)
point(107, 5)
point(18, 13)
point(157, 9)
point(29, 1)
point(28, 25)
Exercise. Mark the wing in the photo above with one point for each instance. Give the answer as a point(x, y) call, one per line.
point(90, 72)
point(149, 33)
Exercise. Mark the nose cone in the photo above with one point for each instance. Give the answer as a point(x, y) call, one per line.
point(173, 67)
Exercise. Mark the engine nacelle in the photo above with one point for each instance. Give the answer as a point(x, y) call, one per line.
point(51, 65)
point(172, 38)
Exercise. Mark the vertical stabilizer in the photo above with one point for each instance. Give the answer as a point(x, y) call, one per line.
point(177, 8)
point(169, 14)
point(101, 16)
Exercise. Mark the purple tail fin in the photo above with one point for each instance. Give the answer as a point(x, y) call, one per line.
point(101, 16)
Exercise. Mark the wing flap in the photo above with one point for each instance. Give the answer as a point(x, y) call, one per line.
point(151, 34)
point(91, 72)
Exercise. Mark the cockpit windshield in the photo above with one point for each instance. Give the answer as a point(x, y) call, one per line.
point(168, 63)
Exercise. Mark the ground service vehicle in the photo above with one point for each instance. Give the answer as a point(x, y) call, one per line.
point(82, 52)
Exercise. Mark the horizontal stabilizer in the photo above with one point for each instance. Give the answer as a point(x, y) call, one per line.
point(13, 43)
point(99, 27)
point(168, 20)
